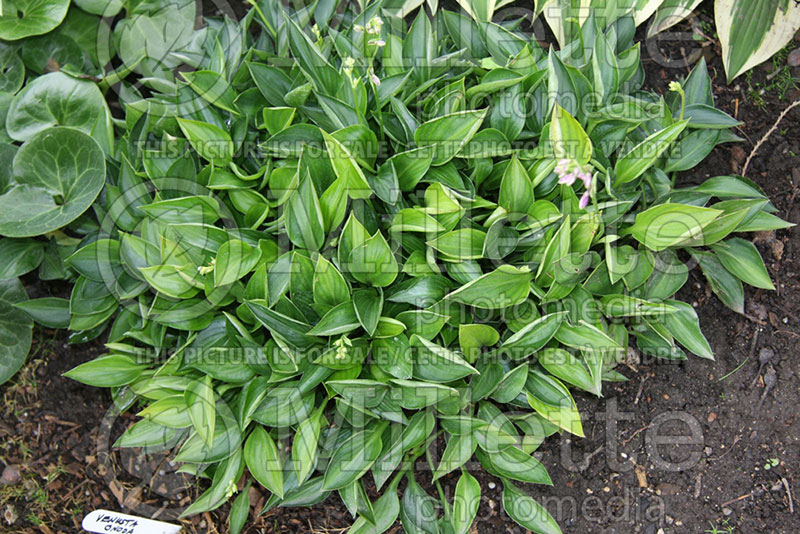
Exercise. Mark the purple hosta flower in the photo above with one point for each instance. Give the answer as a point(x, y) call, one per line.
point(564, 171)
point(584, 201)
point(569, 171)
point(374, 78)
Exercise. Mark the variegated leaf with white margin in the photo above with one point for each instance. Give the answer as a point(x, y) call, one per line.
point(559, 13)
point(752, 31)
point(670, 13)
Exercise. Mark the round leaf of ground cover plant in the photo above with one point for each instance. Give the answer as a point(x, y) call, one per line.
point(56, 177)
point(12, 70)
point(22, 18)
point(15, 329)
point(56, 99)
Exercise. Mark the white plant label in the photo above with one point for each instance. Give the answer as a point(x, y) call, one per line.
point(105, 522)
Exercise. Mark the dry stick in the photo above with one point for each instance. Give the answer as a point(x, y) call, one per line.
point(737, 499)
point(766, 135)
point(788, 493)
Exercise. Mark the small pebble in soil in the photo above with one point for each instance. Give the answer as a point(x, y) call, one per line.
point(10, 514)
point(727, 511)
point(10, 475)
point(765, 356)
point(793, 60)
point(492, 485)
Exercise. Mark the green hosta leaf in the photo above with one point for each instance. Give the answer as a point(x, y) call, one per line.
point(330, 287)
point(211, 142)
point(465, 244)
point(685, 327)
point(357, 501)
point(240, 511)
point(289, 328)
point(346, 168)
point(368, 305)
point(567, 367)
point(667, 225)
point(372, 262)
point(170, 411)
point(627, 306)
point(568, 138)
point(226, 474)
point(305, 445)
point(339, 320)
point(741, 258)
point(304, 222)
point(504, 287)
point(669, 275)
point(705, 116)
point(641, 157)
point(212, 87)
point(513, 463)
point(107, 371)
point(57, 175)
point(510, 386)
point(201, 404)
point(234, 260)
point(691, 150)
point(553, 401)
point(15, 329)
point(725, 285)
point(264, 461)
point(385, 512)
point(465, 502)
point(170, 280)
point(311, 61)
point(472, 338)
point(415, 220)
point(435, 363)
point(457, 452)
point(418, 510)
point(526, 511)
point(516, 191)
point(393, 355)
point(730, 187)
point(449, 133)
point(354, 458)
point(532, 336)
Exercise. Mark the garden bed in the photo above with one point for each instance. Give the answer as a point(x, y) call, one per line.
point(742, 477)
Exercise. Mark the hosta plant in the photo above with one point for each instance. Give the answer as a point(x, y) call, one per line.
point(749, 31)
point(341, 245)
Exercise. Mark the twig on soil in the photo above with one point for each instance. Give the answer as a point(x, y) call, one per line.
point(795, 334)
point(636, 433)
point(641, 388)
point(698, 485)
point(766, 135)
point(584, 465)
point(736, 440)
point(788, 493)
point(737, 499)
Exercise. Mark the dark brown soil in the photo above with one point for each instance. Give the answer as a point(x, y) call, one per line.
point(736, 471)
